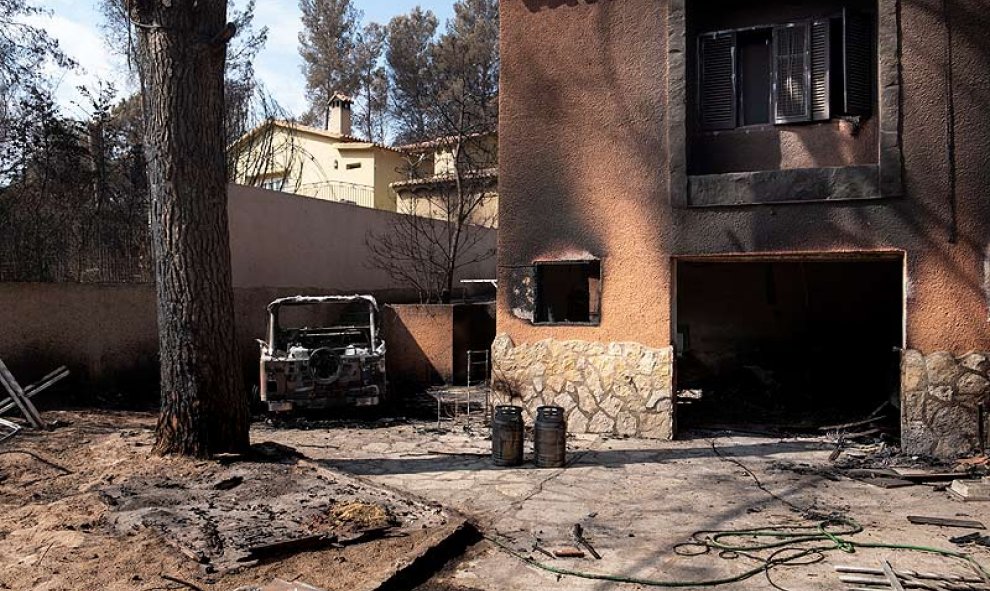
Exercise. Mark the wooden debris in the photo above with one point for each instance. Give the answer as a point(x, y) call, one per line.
point(871, 473)
point(887, 482)
point(864, 580)
point(945, 522)
point(568, 552)
point(541, 550)
point(45, 553)
point(923, 476)
point(181, 582)
point(909, 574)
point(18, 398)
point(974, 461)
point(8, 429)
point(277, 509)
point(578, 532)
point(37, 387)
point(587, 546)
point(879, 477)
point(280, 585)
point(973, 538)
point(971, 490)
point(891, 575)
point(228, 483)
point(44, 383)
point(866, 433)
point(844, 426)
point(192, 554)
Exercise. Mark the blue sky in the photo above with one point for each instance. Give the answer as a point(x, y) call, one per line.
point(76, 25)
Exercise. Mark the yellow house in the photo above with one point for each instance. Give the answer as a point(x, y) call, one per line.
point(326, 163)
point(434, 192)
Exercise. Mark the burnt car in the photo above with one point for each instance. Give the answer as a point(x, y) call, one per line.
point(322, 352)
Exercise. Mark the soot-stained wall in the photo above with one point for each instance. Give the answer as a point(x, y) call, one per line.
point(592, 140)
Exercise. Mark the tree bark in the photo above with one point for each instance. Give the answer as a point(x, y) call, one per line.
point(182, 45)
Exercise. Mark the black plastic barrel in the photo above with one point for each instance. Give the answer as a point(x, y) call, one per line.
point(507, 436)
point(550, 437)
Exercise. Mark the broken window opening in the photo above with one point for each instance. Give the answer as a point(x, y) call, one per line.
point(568, 292)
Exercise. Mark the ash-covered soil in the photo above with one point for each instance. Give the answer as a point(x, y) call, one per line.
point(88, 506)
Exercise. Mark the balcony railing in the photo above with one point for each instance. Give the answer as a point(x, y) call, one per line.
point(362, 195)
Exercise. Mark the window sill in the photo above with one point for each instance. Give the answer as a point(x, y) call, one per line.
point(799, 185)
point(758, 128)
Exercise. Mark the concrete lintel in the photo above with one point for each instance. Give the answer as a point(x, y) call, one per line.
point(785, 186)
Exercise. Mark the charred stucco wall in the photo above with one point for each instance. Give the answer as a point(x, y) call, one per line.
point(428, 343)
point(944, 236)
point(419, 340)
point(474, 330)
point(783, 147)
point(285, 245)
point(581, 143)
point(769, 147)
point(590, 136)
point(581, 176)
point(281, 245)
point(106, 334)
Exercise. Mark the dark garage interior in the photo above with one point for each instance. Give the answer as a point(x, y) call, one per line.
point(794, 344)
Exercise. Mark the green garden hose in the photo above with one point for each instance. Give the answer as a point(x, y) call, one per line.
point(788, 544)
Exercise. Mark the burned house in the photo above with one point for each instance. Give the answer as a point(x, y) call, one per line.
point(767, 211)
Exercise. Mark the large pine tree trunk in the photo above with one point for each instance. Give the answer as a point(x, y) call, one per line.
point(182, 51)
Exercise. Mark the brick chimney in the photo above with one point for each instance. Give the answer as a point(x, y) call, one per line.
point(339, 114)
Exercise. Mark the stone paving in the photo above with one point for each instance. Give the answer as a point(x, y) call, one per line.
point(636, 499)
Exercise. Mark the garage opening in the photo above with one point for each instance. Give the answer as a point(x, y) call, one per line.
point(798, 344)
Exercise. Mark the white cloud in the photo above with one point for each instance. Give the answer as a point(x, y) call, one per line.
point(82, 42)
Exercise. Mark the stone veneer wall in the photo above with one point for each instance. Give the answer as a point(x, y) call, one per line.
point(618, 388)
point(941, 400)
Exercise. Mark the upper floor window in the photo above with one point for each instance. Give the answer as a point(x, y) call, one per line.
point(273, 183)
point(809, 70)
